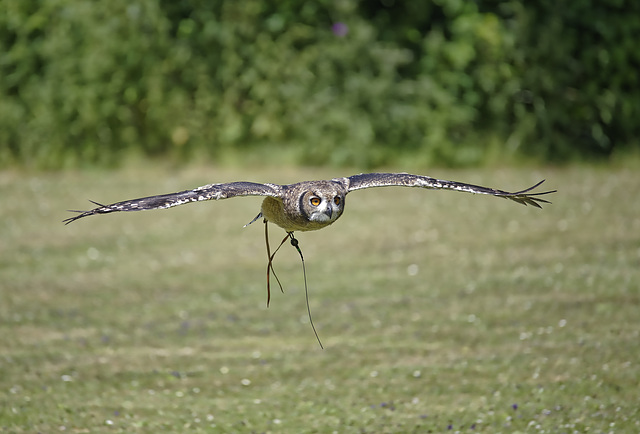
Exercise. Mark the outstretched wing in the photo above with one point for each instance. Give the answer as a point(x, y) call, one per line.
point(369, 180)
point(206, 192)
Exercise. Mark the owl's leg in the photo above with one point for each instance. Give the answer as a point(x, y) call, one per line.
point(270, 260)
point(255, 218)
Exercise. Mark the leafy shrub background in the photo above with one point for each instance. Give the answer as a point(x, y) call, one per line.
point(446, 82)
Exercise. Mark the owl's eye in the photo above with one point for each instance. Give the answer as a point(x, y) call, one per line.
point(315, 201)
point(336, 200)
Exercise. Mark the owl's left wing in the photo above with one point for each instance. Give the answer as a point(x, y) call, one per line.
point(369, 180)
point(206, 192)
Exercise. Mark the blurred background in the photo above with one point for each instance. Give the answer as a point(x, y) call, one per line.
point(438, 312)
point(330, 82)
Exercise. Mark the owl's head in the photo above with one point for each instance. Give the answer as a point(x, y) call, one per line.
point(322, 206)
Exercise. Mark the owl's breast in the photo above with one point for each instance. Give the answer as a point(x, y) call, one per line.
point(288, 217)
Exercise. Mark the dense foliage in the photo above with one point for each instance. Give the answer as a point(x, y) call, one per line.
point(324, 82)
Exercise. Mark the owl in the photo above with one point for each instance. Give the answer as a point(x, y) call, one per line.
point(307, 205)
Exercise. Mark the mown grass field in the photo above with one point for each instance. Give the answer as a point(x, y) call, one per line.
point(439, 311)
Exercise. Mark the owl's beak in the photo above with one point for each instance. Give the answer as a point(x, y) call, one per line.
point(328, 212)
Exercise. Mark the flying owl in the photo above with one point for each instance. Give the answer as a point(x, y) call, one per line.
point(307, 205)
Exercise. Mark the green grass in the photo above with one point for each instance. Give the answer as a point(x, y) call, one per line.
point(437, 310)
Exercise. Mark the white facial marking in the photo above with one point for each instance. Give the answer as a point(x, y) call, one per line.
point(327, 211)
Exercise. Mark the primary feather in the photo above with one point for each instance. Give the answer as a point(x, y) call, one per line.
point(206, 192)
point(370, 180)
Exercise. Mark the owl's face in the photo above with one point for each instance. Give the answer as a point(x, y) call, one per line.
point(323, 206)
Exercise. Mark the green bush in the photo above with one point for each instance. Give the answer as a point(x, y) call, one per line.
point(345, 83)
point(579, 66)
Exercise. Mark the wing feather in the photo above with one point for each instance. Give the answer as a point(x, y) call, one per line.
point(206, 192)
point(370, 180)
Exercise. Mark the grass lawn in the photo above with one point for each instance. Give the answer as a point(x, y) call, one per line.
point(439, 311)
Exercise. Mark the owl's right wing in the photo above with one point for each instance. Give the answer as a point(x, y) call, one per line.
point(206, 192)
point(369, 180)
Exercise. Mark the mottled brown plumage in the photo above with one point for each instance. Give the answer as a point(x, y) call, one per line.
point(307, 205)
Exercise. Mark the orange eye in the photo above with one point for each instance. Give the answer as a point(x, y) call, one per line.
point(315, 201)
point(336, 200)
